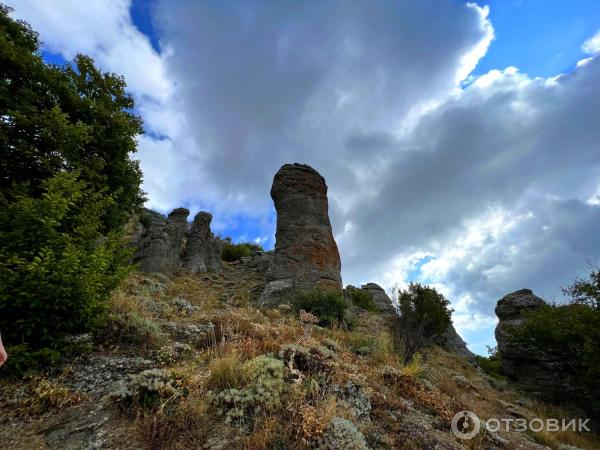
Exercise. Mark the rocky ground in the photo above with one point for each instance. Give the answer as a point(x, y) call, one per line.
point(162, 373)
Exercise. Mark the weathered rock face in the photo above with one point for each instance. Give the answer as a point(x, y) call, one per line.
point(380, 297)
point(161, 243)
point(452, 342)
point(203, 251)
point(169, 245)
point(541, 373)
point(306, 256)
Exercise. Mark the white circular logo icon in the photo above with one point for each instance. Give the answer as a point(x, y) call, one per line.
point(465, 425)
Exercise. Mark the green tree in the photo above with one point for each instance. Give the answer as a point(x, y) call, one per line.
point(424, 314)
point(67, 185)
point(586, 291)
point(64, 118)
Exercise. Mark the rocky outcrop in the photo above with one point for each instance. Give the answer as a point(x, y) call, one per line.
point(162, 241)
point(202, 252)
point(380, 297)
point(452, 342)
point(306, 256)
point(169, 245)
point(541, 373)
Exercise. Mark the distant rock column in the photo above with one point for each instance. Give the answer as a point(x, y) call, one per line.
point(510, 310)
point(306, 256)
point(203, 251)
point(163, 242)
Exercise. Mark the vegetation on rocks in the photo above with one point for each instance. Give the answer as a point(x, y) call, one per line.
point(571, 334)
point(362, 299)
point(233, 252)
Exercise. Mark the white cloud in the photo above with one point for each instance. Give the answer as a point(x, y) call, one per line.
point(478, 190)
point(592, 45)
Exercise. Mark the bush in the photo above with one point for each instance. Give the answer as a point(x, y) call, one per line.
point(424, 316)
point(56, 269)
point(491, 364)
point(233, 252)
point(261, 391)
point(147, 390)
point(329, 307)
point(363, 299)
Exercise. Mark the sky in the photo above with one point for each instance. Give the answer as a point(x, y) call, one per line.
point(460, 141)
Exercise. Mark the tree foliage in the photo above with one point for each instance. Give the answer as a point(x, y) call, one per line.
point(586, 291)
point(56, 269)
point(67, 186)
point(64, 118)
point(424, 314)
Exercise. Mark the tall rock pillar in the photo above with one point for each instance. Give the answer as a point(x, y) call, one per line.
point(306, 256)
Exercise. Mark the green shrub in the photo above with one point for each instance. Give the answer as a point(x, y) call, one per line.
point(233, 252)
point(491, 364)
point(329, 307)
point(56, 269)
point(262, 391)
point(424, 315)
point(147, 390)
point(363, 299)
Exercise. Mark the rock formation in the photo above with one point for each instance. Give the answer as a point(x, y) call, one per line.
point(203, 251)
point(452, 342)
point(162, 241)
point(380, 297)
point(538, 372)
point(169, 245)
point(306, 256)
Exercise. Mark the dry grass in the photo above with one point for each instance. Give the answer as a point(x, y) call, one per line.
point(427, 387)
point(46, 395)
point(184, 427)
point(226, 372)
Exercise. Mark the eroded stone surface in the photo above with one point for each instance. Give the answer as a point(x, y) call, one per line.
point(203, 251)
point(306, 256)
point(170, 245)
point(161, 244)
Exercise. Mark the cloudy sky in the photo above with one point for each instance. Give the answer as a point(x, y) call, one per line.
point(460, 141)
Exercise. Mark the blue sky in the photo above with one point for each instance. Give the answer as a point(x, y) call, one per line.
point(539, 37)
point(445, 165)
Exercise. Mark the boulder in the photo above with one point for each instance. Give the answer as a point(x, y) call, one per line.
point(541, 373)
point(203, 251)
point(380, 297)
point(306, 256)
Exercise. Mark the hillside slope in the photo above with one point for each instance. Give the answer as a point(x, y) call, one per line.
point(192, 362)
